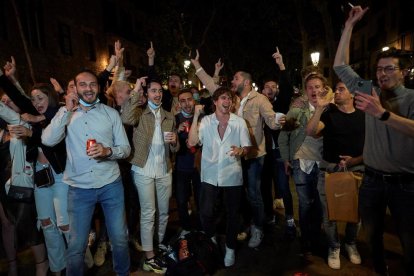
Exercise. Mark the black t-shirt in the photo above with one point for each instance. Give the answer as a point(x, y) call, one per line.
point(343, 134)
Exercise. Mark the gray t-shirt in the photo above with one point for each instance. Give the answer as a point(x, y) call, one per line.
point(385, 149)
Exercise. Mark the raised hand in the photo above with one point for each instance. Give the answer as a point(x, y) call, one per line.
point(279, 59)
point(139, 84)
point(151, 54)
point(10, 68)
point(355, 14)
point(369, 103)
point(219, 65)
point(195, 61)
point(58, 88)
point(119, 52)
point(71, 101)
point(151, 51)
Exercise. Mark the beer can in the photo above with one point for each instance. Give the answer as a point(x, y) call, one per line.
point(90, 143)
point(187, 127)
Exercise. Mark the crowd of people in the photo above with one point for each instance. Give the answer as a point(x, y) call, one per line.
point(109, 155)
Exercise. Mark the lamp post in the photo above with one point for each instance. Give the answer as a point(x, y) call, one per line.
point(315, 58)
point(186, 64)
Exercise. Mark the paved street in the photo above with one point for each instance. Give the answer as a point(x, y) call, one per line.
point(275, 256)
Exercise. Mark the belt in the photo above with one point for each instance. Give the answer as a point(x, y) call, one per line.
point(389, 177)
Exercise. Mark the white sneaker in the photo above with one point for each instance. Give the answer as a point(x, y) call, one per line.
point(256, 237)
point(278, 203)
point(353, 254)
point(100, 253)
point(88, 258)
point(334, 260)
point(230, 257)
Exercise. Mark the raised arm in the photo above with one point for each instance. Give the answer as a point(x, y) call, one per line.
point(342, 53)
point(193, 138)
point(55, 132)
point(285, 85)
point(16, 96)
point(205, 78)
point(10, 72)
point(131, 110)
point(217, 68)
point(315, 125)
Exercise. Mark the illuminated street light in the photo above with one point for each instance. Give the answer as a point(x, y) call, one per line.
point(386, 48)
point(187, 64)
point(315, 58)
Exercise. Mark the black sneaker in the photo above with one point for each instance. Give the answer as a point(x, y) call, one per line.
point(154, 265)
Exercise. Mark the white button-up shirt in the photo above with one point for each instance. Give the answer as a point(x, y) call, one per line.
point(218, 168)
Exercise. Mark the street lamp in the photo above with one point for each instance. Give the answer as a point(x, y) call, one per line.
point(186, 64)
point(315, 58)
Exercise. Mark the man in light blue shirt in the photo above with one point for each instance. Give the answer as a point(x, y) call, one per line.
point(92, 173)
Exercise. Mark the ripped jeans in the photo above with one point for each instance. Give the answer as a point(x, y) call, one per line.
point(51, 203)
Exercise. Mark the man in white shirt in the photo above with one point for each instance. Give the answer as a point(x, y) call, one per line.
point(225, 139)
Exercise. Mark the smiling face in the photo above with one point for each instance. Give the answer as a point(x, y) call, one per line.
point(389, 74)
point(39, 100)
point(87, 87)
point(154, 93)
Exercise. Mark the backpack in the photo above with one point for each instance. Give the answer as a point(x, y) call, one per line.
point(193, 254)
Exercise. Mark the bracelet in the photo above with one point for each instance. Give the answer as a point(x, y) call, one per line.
point(199, 69)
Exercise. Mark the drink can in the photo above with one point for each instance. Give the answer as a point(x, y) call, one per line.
point(90, 143)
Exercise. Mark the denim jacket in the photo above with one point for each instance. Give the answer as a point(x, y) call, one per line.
point(291, 140)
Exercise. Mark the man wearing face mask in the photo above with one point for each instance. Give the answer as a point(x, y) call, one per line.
point(188, 177)
point(95, 140)
point(154, 137)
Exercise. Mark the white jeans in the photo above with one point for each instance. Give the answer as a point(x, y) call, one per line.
point(152, 192)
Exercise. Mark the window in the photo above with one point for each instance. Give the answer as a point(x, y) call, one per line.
point(90, 46)
point(65, 40)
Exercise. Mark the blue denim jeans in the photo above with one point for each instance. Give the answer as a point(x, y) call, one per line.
point(253, 172)
point(51, 203)
point(310, 213)
point(282, 184)
point(375, 194)
point(331, 231)
point(81, 204)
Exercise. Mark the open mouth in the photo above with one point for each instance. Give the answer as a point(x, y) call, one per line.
point(40, 108)
point(89, 96)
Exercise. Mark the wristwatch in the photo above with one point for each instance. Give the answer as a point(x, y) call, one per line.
point(385, 116)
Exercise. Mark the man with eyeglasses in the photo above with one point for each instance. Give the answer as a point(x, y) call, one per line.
point(388, 150)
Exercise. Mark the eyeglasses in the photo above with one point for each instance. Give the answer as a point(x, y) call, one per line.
point(387, 69)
